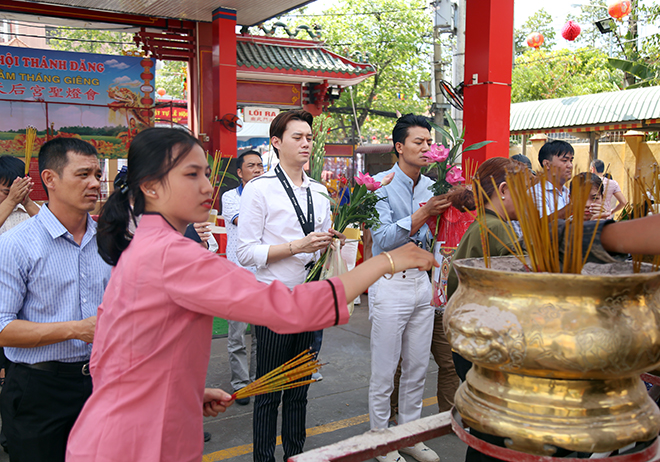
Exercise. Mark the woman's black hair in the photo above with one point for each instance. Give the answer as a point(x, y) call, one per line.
point(153, 153)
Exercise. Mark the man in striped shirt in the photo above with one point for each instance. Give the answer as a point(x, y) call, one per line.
point(52, 281)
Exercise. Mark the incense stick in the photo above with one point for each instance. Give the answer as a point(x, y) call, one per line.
point(284, 377)
point(30, 135)
point(540, 230)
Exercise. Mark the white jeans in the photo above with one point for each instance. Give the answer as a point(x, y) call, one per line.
point(401, 318)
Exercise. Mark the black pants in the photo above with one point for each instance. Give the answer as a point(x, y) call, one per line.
point(38, 411)
point(274, 350)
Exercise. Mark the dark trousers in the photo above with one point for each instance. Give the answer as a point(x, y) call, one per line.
point(274, 350)
point(38, 411)
point(316, 341)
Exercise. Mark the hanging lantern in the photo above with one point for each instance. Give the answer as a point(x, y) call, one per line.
point(570, 31)
point(535, 40)
point(619, 9)
point(161, 92)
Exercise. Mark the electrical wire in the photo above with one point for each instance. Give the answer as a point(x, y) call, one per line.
point(69, 39)
point(366, 13)
point(36, 24)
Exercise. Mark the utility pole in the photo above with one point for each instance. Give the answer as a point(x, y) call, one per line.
point(458, 64)
point(439, 100)
point(443, 22)
point(631, 51)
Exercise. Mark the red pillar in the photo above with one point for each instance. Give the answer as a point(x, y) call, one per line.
point(488, 61)
point(224, 78)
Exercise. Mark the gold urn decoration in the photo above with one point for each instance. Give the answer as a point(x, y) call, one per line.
point(556, 357)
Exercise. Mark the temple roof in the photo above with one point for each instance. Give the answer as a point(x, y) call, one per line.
point(259, 57)
point(619, 110)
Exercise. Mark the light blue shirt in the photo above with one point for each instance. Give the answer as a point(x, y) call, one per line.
point(555, 199)
point(45, 276)
point(402, 199)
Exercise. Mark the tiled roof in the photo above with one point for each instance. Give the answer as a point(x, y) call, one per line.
point(636, 107)
point(305, 57)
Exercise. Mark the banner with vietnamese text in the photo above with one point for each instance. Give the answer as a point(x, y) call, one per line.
point(103, 99)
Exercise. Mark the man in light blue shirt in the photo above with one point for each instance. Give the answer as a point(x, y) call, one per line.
point(556, 158)
point(52, 281)
point(400, 308)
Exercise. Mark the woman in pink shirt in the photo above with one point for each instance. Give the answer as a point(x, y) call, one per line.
point(153, 334)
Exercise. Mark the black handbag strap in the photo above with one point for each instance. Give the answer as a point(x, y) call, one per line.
point(307, 223)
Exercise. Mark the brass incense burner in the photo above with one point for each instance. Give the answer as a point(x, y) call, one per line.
point(556, 357)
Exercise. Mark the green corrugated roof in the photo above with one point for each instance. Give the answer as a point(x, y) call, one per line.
point(311, 59)
point(624, 106)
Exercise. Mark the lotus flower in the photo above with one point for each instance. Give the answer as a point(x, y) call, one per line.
point(387, 179)
point(437, 153)
point(368, 181)
point(454, 176)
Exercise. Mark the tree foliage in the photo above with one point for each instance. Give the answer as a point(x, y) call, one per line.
point(396, 39)
point(89, 40)
point(629, 50)
point(543, 74)
point(541, 21)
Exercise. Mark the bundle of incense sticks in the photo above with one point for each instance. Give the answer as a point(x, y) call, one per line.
point(284, 377)
point(215, 173)
point(540, 230)
point(655, 195)
point(481, 199)
point(641, 205)
point(30, 135)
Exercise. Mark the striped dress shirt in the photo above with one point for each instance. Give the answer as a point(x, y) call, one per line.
point(45, 276)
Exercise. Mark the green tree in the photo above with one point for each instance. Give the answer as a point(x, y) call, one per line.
point(542, 74)
point(637, 56)
point(172, 77)
point(89, 40)
point(396, 39)
point(586, 16)
point(541, 21)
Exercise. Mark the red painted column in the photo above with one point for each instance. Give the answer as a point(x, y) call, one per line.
point(224, 78)
point(487, 93)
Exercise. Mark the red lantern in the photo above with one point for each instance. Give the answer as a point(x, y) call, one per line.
point(535, 40)
point(161, 92)
point(619, 9)
point(570, 31)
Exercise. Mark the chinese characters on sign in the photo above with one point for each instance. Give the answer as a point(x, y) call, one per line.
point(264, 115)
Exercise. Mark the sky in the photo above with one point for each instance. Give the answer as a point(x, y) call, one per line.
point(523, 9)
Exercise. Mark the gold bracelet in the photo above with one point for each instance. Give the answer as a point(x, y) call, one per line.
point(290, 249)
point(389, 257)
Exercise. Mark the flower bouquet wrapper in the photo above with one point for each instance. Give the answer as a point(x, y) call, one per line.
point(452, 225)
point(335, 266)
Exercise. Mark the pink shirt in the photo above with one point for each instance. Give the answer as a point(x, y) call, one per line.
point(153, 340)
point(610, 188)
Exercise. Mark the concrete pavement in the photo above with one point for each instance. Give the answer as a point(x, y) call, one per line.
point(337, 408)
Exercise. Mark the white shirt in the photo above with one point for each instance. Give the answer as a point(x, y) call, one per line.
point(554, 198)
point(231, 201)
point(18, 215)
point(267, 218)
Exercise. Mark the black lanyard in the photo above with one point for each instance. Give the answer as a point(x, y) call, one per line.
point(307, 223)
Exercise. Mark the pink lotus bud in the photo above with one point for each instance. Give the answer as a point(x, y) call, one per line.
point(388, 179)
